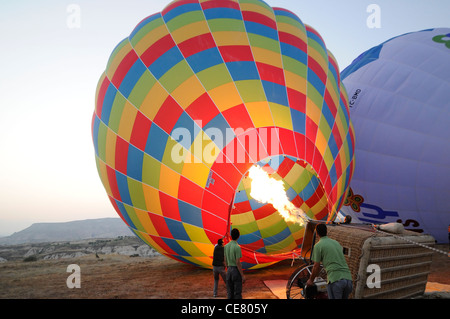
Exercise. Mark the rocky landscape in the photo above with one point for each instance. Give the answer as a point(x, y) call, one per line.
point(46, 241)
point(69, 231)
point(122, 245)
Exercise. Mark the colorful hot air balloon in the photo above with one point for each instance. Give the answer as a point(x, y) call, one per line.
point(194, 97)
point(399, 96)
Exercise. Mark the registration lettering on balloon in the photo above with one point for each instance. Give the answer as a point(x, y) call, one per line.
point(198, 94)
point(353, 99)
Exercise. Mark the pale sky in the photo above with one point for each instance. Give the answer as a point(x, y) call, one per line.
point(52, 55)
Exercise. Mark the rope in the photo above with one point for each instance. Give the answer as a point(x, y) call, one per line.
point(375, 227)
point(295, 256)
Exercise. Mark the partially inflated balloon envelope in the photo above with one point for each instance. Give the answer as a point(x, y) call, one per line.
point(399, 96)
point(194, 97)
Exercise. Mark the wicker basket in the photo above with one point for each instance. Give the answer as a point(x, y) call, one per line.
point(404, 265)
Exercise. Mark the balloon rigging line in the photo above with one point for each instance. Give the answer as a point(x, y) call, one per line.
point(377, 229)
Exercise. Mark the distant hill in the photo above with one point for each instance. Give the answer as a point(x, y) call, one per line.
point(68, 231)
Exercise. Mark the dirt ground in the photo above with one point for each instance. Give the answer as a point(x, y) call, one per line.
point(123, 277)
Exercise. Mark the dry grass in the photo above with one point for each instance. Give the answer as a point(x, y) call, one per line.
point(117, 276)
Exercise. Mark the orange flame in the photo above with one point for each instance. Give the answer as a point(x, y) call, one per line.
point(266, 189)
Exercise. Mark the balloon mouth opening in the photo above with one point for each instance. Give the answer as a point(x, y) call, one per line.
point(270, 227)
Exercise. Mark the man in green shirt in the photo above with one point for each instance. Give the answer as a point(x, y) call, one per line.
point(235, 275)
point(330, 253)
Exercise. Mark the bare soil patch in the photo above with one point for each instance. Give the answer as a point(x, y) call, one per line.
point(124, 277)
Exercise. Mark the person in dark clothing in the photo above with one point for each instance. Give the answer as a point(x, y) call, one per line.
point(218, 265)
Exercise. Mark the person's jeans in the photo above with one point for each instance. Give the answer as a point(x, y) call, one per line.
point(218, 271)
point(340, 289)
point(234, 283)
